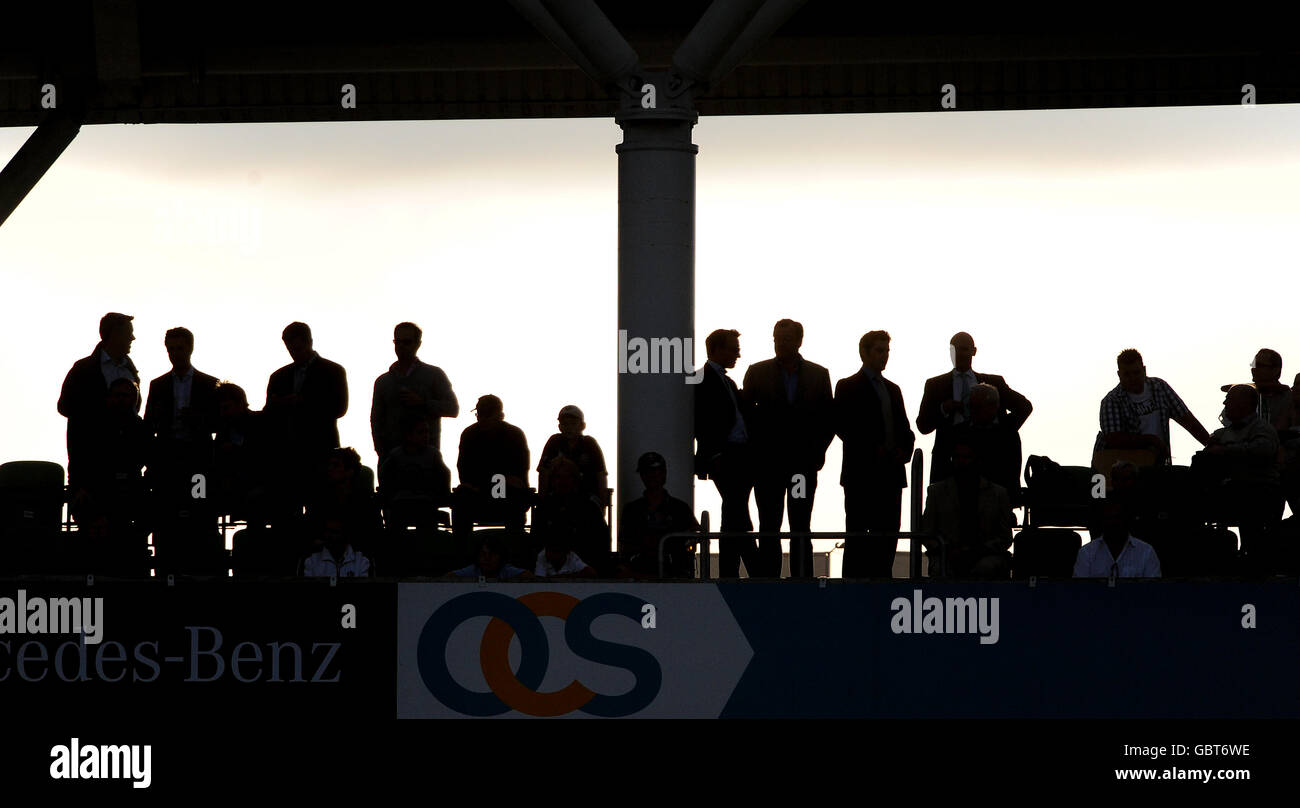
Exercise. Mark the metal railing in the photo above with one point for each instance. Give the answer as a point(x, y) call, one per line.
point(705, 536)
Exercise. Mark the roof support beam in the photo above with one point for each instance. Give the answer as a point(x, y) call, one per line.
point(34, 158)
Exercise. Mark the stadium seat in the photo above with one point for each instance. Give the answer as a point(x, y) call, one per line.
point(1045, 552)
point(1056, 495)
point(31, 496)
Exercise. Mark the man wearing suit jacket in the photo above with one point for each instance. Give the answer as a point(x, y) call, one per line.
point(878, 442)
point(946, 404)
point(180, 416)
point(304, 401)
point(792, 425)
point(722, 451)
point(84, 397)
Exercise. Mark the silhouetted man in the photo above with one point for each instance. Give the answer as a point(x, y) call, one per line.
point(304, 401)
point(646, 520)
point(413, 480)
point(241, 458)
point(1242, 458)
point(878, 442)
point(85, 389)
point(722, 449)
point(491, 553)
point(792, 424)
point(410, 389)
point(493, 467)
point(567, 512)
point(569, 442)
point(1289, 435)
point(996, 443)
point(1135, 415)
point(180, 416)
point(1275, 405)
point(972, 517)
point(1116, 551)
point(107, 485)
point(946, 403)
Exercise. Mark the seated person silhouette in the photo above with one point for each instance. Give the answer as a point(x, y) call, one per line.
point(568, 512)
point(583, 450)
point(996, 442)
point(413, 480)
point(1275, 404)
point(240, 463)
point(557, 560)
point(646, 520)
point(493, 467)
point(1240, 465)
point(972, 517)
point(346, 489)
point(1116, 551)
point(336, 555)
point(491, 562)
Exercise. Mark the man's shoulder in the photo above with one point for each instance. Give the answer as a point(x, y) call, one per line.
point(942, 488)
point(206, 380)
point(815, 369)
point(762, 367)
point(993, 489)
point(164, 379)
point(86, 362)
point(1116, 393)
point(935, 381)
point(326, 365)
point(513, 431)
point(991, 378)
point(851, 381)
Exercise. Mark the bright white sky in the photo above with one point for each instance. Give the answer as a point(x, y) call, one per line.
point(1056, 238)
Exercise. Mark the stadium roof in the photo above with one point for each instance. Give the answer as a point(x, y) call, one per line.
point(144, 61)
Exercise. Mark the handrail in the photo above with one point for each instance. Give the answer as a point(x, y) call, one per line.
point(914, 559)
point(704, 539)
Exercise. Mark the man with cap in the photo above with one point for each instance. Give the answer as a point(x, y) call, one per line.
point(1241, 462)
point(493, 468)
point(651, 517)
point(945, 403)
point(582, 449)
point(1275, 405)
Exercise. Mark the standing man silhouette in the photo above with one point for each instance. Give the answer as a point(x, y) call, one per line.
point(871, 420)
point(722, 451)
point(946, 403)
point(792, 419)
point(180, 416)
point(304, 401)
point(410, 390)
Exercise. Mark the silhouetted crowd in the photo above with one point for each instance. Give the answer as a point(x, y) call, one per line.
point(311, 507)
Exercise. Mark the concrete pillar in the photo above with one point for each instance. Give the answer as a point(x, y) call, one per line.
point(656, 292)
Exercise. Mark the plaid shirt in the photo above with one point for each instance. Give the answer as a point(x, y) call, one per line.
point(1119, 415)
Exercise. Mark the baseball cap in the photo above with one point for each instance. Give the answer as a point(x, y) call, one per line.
point(571, 409)
point(488, 403)
point(650, 460)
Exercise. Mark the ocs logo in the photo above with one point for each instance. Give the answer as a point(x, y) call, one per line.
point(511, 617)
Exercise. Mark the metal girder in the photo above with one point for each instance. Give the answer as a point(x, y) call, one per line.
point(34, 158)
